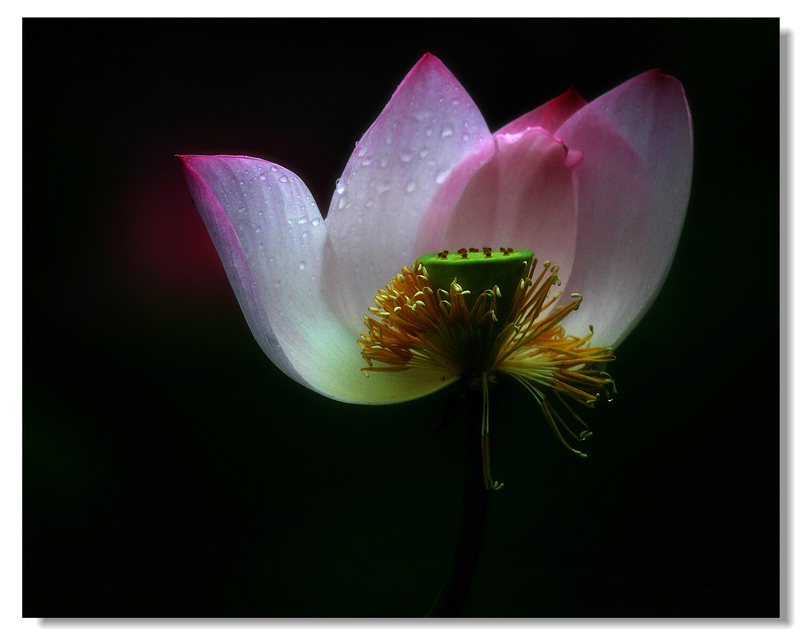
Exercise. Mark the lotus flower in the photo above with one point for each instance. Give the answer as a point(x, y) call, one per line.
point(588, 197)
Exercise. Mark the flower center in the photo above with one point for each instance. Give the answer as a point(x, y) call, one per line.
point(477, 313)
point(478, 270)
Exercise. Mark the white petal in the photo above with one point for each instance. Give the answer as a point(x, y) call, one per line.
point(633, 189)
point(273, 244)
point(522, 198)
point(428, 127)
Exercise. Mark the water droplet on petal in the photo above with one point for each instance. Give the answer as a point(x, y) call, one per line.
point(424, 152)
point(441, 176)
point(455, 102)
point(302, 220)
point(341, 202)
point(447, 130)
point(366, 162)
point(263, 177)
point(273, 168)
point(405, 155)
point(315, 222)
point(411, 186)
point(283, 178)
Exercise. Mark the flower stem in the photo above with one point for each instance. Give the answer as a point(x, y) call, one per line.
point(456, 586)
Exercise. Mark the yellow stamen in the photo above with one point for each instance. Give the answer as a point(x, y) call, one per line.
point(422, 327)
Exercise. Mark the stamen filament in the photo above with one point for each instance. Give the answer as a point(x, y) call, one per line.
point(417, 326)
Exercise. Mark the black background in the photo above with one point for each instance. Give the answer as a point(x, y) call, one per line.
point(171, 470)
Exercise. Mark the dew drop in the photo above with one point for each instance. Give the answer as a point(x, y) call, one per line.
point(405, 155)
point(465, 136)
point(341, 202)
point(424, 152)
point(283, 178)
point(362, 152)
point(441, 176)
point(273, 168)
point(315, 222)
point(411, 186)
point(263, 177)
point(302, 220)
point(366, 162)
point(447, 130)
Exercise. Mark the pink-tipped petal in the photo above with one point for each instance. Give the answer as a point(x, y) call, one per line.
point(274, 247)
point(633, 189)
point(428, 127)
point(522, 198)
point(549, 116)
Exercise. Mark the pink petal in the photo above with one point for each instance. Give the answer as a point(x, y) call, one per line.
point(428, 127)
point(633, 186)
point(549, 116)
point(274, 246)
point(522, 198)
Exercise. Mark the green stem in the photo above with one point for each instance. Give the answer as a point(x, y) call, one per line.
point(454, 591)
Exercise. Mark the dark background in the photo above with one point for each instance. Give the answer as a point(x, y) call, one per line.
point(171, 470)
